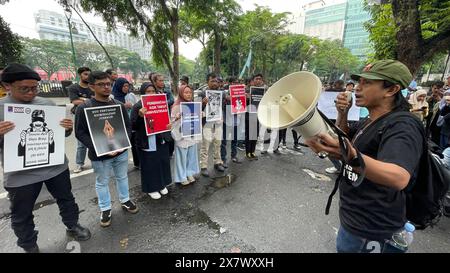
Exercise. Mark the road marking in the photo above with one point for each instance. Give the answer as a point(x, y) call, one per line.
point(82, 173)
point(317, 176)
point(3, 195)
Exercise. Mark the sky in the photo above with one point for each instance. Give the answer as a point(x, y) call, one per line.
point(19, 14)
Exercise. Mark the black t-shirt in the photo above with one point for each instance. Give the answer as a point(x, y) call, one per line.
point(77, 92)
point(371, 210)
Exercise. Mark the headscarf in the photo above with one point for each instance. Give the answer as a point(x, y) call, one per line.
point(181, 98)
point(144, 87)
point(117, 89)
point(415, 103)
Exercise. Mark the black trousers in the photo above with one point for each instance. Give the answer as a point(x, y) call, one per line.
point(24, 198)
point(134, 151)
point(295, 136)
point(250, 135)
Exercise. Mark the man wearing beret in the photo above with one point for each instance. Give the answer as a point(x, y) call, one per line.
point(390, 147)
point(24, 186)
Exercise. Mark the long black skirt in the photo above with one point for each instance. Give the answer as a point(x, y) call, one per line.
point(155, 169)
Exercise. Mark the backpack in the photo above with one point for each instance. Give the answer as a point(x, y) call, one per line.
point(425, 196)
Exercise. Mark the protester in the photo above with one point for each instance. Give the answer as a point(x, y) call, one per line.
point(112, 76)
point(78, 94)
point(212, 131)
point(419, 105)
point(376, 209)
point(444, 120)
point(434, 131)
point(186, 148)
point(103, 166)
point(24, 186)
point(153, 150)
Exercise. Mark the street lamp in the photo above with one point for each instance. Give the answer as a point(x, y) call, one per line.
point(68, 14)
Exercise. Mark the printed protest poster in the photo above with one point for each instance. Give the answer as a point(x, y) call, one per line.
point(238, 99)
point(107, 129)
point(326, 106)
point(256, 95)
point(214, 106)
point(191, 119)
point(157, 117)
point(37, 141)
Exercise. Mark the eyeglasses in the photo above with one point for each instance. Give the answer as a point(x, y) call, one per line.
point(103, 84)
point(25, 90)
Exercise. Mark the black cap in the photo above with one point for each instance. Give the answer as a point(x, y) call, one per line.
point(18, 72)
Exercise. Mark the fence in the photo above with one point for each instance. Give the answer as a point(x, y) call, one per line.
point(53, 88)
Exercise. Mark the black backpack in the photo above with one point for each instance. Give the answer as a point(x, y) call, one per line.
point(425, 196)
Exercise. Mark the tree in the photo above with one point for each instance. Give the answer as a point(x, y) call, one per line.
point(159, 19)
point(45, 54)
point(417, 30)
point(214, 21)
point(10, 46)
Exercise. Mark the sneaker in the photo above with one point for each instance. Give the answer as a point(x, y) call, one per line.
point(236, 160)
point(155, 195)
point(78, 169)
point(33, 249)
point(185, 183)
point(130, 207)
point(297, 147)
point(105, 218)
point(277, 151)
point(79, 233)
point(270, 151)
point(225, 165)
point(331, 170)
point(241, 147)
point(191, 179)
point(284, 147)
point(219, 167)
point(164, 191)
point(254, 156)
point(205, 172)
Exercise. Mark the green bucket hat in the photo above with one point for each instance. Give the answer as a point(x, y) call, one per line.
point(386, 70)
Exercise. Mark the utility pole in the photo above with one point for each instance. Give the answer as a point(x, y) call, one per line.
point(68, 14)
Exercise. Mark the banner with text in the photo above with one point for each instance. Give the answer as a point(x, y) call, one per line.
point(256, 94)
point(191, 119)
point(238, 99)
point(107, 129)
point(157, 117)
point(37, 140)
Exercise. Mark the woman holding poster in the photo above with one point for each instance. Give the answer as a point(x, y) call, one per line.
point(153, 150)
point(186, 152)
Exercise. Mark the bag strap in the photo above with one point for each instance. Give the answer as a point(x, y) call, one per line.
point(342, 136)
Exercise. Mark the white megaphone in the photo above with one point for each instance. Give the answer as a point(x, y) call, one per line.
point(292, 102)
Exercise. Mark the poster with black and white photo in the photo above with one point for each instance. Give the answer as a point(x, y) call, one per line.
point(256, 95)
point(214, 106)
point(38, 139)
point(107, 129)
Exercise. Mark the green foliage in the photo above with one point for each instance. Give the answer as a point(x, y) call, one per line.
point(10, 46)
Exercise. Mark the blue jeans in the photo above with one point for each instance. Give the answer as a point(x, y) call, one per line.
point(81, 153)
point(447, 157)
point(102, 170)
point(186, 163)
point(347, 242)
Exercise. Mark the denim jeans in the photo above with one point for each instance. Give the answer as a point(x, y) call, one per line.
point(186, 163)
point(81, 153)
point(347, 242)
point(102, 170)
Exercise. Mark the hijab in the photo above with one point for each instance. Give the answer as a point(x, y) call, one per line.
point(117, 89)
point(181, 97)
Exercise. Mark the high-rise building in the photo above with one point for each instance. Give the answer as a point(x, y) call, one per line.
point(54, 26)
point(356, 37)
point(335, 19)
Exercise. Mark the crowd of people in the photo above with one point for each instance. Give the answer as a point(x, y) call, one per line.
point(387, 171)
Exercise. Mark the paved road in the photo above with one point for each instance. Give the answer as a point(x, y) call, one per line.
point(275, 205)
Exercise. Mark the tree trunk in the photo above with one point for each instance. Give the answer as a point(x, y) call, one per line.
point(217, 52)
point(176, 55)
point(409, 38)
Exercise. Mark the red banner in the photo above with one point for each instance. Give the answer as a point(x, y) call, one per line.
point(157, 116)
point(238, 99)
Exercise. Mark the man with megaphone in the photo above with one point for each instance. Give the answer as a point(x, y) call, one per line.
point(388, 147)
